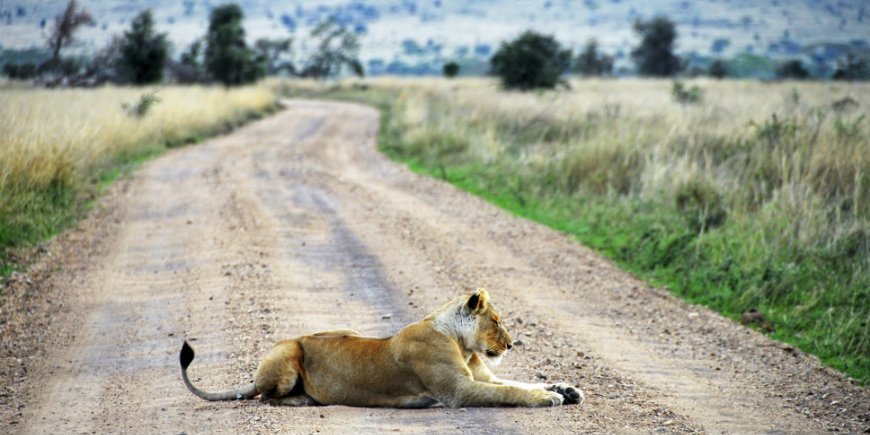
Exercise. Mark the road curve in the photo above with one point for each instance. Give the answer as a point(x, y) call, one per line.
point(296, 224)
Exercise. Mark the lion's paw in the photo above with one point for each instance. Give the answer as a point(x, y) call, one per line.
point(548, 398)
point(571, 395)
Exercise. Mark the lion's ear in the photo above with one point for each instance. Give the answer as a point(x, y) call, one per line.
point(477, 301)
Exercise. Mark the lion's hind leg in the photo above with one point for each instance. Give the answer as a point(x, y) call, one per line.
point(279, 373)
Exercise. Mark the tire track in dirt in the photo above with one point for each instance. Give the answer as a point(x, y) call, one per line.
point(296, 224)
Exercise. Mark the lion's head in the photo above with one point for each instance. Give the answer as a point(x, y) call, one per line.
point(490, 338)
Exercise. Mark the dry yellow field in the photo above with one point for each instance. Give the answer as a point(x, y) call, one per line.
point(56, 135)
point(747, 143)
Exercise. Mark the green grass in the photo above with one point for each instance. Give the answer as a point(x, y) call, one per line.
point(817, 297)
point(653, 241)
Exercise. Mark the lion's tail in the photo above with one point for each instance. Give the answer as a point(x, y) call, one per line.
point(186, 357)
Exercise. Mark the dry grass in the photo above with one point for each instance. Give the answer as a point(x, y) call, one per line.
point(51, 136)
point(774, 146)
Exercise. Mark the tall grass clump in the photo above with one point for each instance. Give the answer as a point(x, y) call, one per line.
point(756, 196)
point(58, 146)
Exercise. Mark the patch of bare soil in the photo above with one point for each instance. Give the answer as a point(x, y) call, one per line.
point(297, 224)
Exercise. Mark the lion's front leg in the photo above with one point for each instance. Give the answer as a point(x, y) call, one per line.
point(571, 395)
point(480, 371)
point(468, 392)
point(454, 385)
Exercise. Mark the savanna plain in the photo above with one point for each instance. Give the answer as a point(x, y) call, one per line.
point(752, 200)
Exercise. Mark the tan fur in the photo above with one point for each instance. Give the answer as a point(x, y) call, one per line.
point(437, 359)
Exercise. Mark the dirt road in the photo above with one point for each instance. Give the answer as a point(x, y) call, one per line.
point(296, 224)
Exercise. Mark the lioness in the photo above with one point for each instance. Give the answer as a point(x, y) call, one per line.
point(437, 359)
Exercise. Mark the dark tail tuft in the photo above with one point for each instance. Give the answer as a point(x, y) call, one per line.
point(186, 356)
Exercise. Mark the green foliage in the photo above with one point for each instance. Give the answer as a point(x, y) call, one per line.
point(337, 50)
point(275, 52)
point(142, 106)
point(700, 204)
point(774, 131)
point(684, 95)
point(531, 61)
point(143, 53)
point(190, 68)
point(792, 69)
point(718, 69)
point(21, 71)
point(853, 67)
point(655, 54)
point(227, 57)
point(591, 62)
point(451, 69)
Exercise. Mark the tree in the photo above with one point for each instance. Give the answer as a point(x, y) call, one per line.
point(655, 54)
point(272, 51)
point(337, 49)
point(20, 71)
point(143, 52)
point(450, 69)
point(853, 67)
point(792, 69)
point(227, 57)
point(718, 69)
point(590, 62)
point(189, 68)
point(530, 61)
point(65, 26)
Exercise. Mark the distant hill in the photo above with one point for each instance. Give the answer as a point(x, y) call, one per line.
point(416, 37)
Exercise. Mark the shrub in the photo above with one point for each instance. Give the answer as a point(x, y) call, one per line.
point(140, 109)
point(718, 69)
point(684, 95)
point(451, 69)
point(530, 61)
point(792, 69)
point(22, 71)
point(700, 204)
point(853, 67)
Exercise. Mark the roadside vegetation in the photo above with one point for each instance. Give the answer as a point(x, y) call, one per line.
point(754, 197)
point(58, 148)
